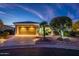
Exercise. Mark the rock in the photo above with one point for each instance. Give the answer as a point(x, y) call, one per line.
point(66, 40)
point(43, 40)
point(60, 39)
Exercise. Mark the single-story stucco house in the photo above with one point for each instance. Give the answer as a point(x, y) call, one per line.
point(27, 28)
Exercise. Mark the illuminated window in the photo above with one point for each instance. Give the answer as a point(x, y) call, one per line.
point(22, 30)
point(31, 29)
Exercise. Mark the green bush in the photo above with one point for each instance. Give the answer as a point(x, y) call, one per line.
point(4, 35)
point(11, 32)
point(66, 33)
point(47, 31)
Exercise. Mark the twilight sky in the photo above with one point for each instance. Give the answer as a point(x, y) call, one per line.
point(10, 13)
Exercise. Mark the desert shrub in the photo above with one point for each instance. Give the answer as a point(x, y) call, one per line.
point(73, 33)
point(5, 34)
point(11, 32)
point(56, 33)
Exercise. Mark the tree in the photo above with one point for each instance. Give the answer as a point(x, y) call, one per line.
point(61, 24)
point(75, 26)
point(43, 25)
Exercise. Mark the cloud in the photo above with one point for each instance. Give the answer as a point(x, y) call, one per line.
point(8, 15)
point(70, 15)
point(50, 11)
point(32, 11)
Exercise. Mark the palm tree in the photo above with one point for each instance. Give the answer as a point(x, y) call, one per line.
point(61, 24)
point(43, 25)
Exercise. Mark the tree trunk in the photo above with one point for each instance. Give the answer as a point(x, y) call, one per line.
point(43, 32)
point(62, 33)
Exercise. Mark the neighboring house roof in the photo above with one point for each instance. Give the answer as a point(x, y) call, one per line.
point(26, 22)
point(7, 27)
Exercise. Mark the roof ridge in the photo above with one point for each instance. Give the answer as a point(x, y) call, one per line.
point(27, 22)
